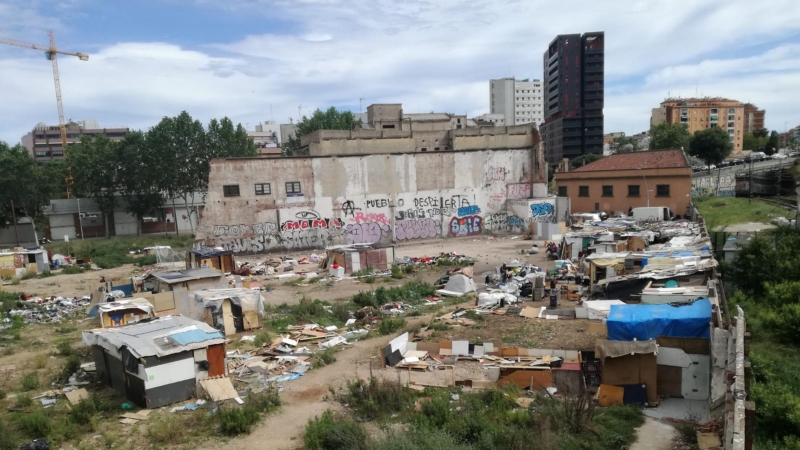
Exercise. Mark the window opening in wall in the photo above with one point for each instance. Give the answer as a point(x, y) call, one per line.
point(633, 190)
point(608, 191)
point(293, 187)
point(230, 190)
point(583, 191)
point(424, 149)
point(263, 189)
point(562, 191)
point(387, 127)
point(662, 190)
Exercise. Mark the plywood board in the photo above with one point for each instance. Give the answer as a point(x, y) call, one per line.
point(695, 379)
point(692, 346)
point(446, 344)
point(510, 351)
point(633, 369)
point(227, 318)
point(669, 381)
point(250, 320)
point(541, 378)
point(529, 312)
point(461, 347)
point(163, 301)
point(478, 351)
point(76, 396)
point(430, 347)
point(608, 395)
point(673, 357)
point(446, 351)
point(219, 389)
point(169, 373)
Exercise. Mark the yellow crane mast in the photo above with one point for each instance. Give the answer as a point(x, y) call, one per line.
point(51, 52)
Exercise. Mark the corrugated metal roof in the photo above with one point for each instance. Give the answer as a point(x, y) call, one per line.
point(155, 337)
point(179, 276)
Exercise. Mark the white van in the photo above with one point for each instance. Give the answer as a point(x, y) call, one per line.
point(651, 213)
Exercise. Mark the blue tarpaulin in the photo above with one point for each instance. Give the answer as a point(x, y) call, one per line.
point(645, 322)
point(193, 336)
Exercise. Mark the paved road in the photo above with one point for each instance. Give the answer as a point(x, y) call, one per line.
point(742, 167)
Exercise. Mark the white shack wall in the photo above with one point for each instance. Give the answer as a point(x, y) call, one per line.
point(365, 199)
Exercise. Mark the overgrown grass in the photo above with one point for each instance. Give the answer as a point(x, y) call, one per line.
point(481, 420)
point(724, 211)
point(71, 365)
point(324, 357)
point(46, 274)
point(110, 253)
point(307, 311)
point(391, 325)
point(64, 348)
point(413, 292)
point(29, 382)
point(73, 270)
point(397, 272)
point(29, 274)
point(8, 300)
point(165, 429)
point(234, 420)
point(265, 337)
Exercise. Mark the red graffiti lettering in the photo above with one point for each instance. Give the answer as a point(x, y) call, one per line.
point(380, 218)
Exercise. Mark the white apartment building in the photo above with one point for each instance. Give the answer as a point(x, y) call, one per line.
point(520, 101)
point(498, 120)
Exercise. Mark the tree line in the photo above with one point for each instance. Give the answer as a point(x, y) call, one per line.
point(170, 160)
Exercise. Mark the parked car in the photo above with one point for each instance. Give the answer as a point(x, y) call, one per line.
point(794, 154)
point(779, 156)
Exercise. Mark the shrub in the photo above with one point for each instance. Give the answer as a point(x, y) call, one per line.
point(391, 325)
point(341, 312)
point(46, 274)
point(364, 299)
point(165, 429)
point(29, 382)
point(85, 411)
point(324, 357)
point(263, 338)
point(17, 322)
point(369, 280)
point(234, 420)
point(23, 401)
point(64, 349)
point(397, 272)
point(72, 270)
point(14, 281)
point(71, 366)
point(28, 275)
point(329, 432)
point(111, 260)
point(409, 268)
point(264, 401)
point(7, 440)
point(34, 425)
point(2, 394)
point(40, 361)
point(146, 260)
point(374, 398)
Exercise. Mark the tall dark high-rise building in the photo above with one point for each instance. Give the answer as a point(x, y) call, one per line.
point(573, 96)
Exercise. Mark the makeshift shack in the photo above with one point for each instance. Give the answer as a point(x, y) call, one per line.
point(646, 322)
point(630, 366)
point(16, 263)
point(228, 310)
point(122, 312)
point(215, 258)
point(187, 280)
point(684, 368)
point(353, 258)
point(157, 362)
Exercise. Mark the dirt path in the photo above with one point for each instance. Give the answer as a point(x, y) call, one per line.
point(654, 435)
point(305, 398)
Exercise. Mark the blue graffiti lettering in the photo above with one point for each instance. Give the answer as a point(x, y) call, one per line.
point(542, 209)
point(469, 210)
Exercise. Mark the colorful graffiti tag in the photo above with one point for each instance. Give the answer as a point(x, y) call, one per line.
point(543, 212)
point(466, 226)
point(416, 229)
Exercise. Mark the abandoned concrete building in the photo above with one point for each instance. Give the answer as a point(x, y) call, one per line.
point(352, 190)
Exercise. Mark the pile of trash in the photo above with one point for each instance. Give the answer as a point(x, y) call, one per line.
point(451, 258)
point(517, 279)
point(287, 357)
point(50, 309)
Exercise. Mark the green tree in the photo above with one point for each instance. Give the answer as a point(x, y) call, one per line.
point(181, 143)
point(711, 145)
point(751, 142)
point(225, 140)
point(583, 160)
point(766, 259)
point(773, 143)
point(332, 119)
point(95, 165)
point(139, 178)
point(666, 136)
point(623, 144)
point(29, 185)
point(761, 133)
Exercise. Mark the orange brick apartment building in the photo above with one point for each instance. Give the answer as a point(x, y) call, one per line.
point(619, 182)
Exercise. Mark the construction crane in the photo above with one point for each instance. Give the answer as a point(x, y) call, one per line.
point(51, 52)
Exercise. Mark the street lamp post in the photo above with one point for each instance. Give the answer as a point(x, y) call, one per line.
point(646, 187)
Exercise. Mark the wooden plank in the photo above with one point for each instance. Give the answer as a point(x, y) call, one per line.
point(250, 320)
point(693, 346)
point(523, 378)
point(669, 381)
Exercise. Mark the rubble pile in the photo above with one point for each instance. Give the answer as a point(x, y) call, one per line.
point(50, 309)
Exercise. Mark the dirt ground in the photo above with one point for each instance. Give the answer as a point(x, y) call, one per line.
point(309, 396)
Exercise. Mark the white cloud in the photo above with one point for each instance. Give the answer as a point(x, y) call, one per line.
point(432, 55)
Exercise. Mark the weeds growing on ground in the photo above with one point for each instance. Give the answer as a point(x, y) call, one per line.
point(40, 361)
point(72, 270)
point(46, 274)
point(71, 366)
point(331, 432)
point(391, 325)
point(29, 274)
point(397, 272)
point(234, 420)
point(23, 401)
point(29, 382)
point(64, 348)
point(324, 357)
point(165, 429)
point(265, 337)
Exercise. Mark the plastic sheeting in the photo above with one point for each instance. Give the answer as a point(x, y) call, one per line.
point(645, 322)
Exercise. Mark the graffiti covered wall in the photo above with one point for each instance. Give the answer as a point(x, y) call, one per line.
point(365, 199)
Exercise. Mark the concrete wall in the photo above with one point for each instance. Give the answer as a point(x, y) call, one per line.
point(365, 199)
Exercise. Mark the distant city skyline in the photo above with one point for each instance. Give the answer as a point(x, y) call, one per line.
point(253, 61)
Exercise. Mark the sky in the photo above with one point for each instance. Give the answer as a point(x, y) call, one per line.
point(257, 60)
